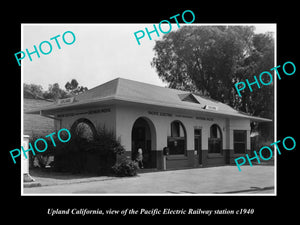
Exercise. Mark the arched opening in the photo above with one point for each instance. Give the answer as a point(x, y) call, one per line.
point(87, 156)
point(215, 140)
point(177, 140)
point(84, 128)
point(143, 136)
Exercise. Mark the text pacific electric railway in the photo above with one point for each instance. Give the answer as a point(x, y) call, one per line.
point(149, 211)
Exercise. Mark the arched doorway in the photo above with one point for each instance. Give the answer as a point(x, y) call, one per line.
point(143, 136)
point(84, 158)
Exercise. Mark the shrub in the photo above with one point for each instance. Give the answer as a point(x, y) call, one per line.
point(89, 155)
point(94, 155)
point(125, 168)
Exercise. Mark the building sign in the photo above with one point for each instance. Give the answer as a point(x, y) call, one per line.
point(184, 116)
point(178, 115)
point(159, 113)
point(210, 107)
point(204, 118)
point(65, 101)
point(104, 110)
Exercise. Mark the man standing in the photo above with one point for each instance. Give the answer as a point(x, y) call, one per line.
point(139, 157)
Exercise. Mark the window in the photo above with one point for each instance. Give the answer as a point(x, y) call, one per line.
point(175, 129)
point(239, 141)
point(177, 140)
point(215, 139)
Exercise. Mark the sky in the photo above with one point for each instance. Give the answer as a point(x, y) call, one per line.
point(100, 53)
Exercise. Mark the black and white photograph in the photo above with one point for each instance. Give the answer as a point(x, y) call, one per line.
point(144, 117)
point(146, 111)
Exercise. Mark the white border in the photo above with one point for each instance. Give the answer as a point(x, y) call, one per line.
point(275, 111)
point(22, 115)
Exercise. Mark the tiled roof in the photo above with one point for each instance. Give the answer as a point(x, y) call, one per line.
point(139, 92)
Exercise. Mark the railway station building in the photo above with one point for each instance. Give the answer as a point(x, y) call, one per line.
point(198, 131)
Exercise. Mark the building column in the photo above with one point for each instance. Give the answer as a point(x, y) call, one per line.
point(228, 150)
point(25, 161)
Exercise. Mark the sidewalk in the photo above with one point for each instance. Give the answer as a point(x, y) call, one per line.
point(50, 178)
point(214, 180)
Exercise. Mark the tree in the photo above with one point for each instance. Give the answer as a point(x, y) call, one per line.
point(55, 92)
point(209, 60)
point(32, 90)
point(73, 88)
point(259, 102)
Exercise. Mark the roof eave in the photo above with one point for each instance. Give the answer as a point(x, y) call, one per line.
point(113, 99)
point(236, 115)
point(56, 108)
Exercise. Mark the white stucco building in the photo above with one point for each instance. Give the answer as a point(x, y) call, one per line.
point(198, 131)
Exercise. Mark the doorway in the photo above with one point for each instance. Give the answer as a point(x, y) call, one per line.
point(198, 144)
point(141, 137)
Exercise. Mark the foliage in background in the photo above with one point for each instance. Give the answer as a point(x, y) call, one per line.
point(73, 88)
point(54, 91)
point(209, 60)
